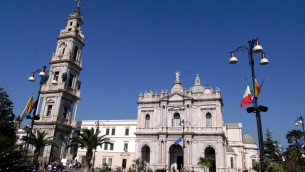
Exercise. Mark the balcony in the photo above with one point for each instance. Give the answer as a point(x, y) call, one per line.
point(179, 130)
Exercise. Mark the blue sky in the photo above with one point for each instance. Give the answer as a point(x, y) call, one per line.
point(133, 45)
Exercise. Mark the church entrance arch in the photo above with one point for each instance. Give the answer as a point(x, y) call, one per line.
point(175, 158)
point(145, 154)
point(210, 152)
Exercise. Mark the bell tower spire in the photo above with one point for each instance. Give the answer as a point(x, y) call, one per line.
point(58, 101)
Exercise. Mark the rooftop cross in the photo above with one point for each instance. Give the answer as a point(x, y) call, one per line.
point(78, 3)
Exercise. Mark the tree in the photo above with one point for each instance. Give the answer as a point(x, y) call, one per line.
point(12, 157)
point(294, 161)
point(39, 141)
point(7, 125)
point(270, 147)
point(136, 166)
point(89, 139)
point(293, 138)
point(206, 162)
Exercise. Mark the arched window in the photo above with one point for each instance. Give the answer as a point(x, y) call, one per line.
point(210, 152)
point(75, 52)
point(231, 160)
point(147, 120)
point(208, 120)
point(176, 120)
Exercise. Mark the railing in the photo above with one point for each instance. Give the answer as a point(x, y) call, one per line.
point(61, 86)
point(178, 130)
point(66, 57)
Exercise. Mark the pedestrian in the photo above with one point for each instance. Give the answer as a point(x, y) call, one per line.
point(49, 168)
point(45, 166)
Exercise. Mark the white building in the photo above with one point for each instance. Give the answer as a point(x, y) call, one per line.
point(121, 134)
point(195, 114)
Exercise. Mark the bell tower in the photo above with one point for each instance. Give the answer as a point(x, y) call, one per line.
point(58, 102)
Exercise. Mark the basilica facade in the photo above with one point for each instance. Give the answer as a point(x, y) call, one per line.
point(194, 118)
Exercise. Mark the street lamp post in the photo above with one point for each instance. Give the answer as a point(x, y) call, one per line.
point(182, 124)
point(252, 48)
point(300, 120)
point(43, 79)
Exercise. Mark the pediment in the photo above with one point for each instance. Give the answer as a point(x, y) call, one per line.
point(175, 97)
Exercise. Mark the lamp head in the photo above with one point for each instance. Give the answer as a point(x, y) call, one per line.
point(296, 123)
point(264, 60)
point(32, 78)
point(36, 117)
point(250, 109)
point(300, 121)
point(257, 48)
point(233, 59)
point(263, 108)
point(43, 71)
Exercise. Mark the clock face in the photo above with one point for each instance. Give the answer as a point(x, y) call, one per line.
point(148, 94)
point(207, 91)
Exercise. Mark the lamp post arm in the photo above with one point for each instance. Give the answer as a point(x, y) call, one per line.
point(240, 48)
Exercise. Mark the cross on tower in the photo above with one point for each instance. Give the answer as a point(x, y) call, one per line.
point(78, 3)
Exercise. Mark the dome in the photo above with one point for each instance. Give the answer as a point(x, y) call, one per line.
point(196, 89)
point(247, 139)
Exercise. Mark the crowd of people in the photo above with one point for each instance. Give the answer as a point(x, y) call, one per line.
point(58, 166)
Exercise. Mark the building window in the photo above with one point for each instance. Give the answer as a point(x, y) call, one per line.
point(106, 146)
point(104, 160)
point(147, 121)
point(75, 52)
point(176, 120)
point(109, 162)
point(56, 74)
point(111, 146)
point(70, 83)
point(113, 131)
point(124, 163)
point(209, 120)
point(65, 113)
point(231, 162)
point(125, 147)
point(126, 131)
point(107, 131)
point(49, 111)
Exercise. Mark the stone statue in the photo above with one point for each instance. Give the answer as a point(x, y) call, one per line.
point(178, 76)
point(61, 49)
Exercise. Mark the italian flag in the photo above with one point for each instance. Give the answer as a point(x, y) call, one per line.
point(247, 98)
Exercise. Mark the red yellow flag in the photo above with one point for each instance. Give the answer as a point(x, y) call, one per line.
point(257, 89)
